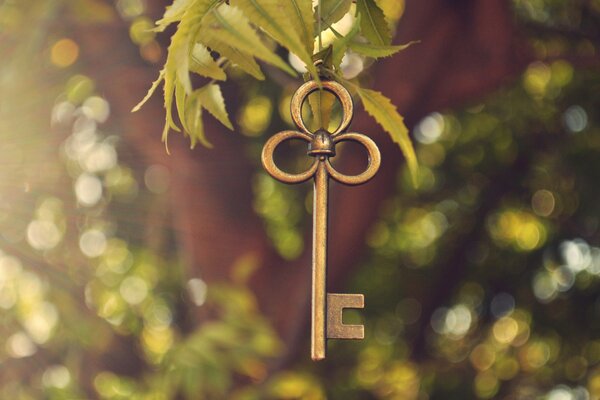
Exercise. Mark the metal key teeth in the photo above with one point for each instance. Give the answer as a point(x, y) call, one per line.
point(336, 303)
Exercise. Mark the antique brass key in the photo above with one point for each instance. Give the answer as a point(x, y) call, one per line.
point(327, 308)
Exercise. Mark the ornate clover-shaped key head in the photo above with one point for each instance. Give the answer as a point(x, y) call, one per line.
point(321, 144)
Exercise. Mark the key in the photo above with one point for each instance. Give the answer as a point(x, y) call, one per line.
point(327, 308)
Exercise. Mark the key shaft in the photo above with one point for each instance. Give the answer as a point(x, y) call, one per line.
point(319, 262)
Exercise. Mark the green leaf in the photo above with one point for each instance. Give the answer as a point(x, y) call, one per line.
point(373, 25)
point(161, 77)
point(274, 17)
point(321, 104)
point(228, 24)
point(211, 98)
point(168, 90)
point(180, 100)
point(377, 51)
point(341, 44)
point(302, 21)
point(178, 57)
point(193, 121)
point(332, 11)
point(202, 63)
point(173, 13)
point(242, 60)
point(386, 115)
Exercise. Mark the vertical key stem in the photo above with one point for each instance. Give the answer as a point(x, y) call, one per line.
point(318, 338)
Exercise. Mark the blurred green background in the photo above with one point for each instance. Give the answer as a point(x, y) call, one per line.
point(481, 283)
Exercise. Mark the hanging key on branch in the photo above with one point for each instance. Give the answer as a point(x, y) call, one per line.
point(326, 319)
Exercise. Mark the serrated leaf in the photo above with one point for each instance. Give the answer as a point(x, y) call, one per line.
point(181, 57)
point(168, 90)
point(332, 11)
point(178, 57)
point(302, 21)
point(274, 17)
point(228, 24)
point(202, 63)
point(378, 51)
point(193, 121)
point(211, 98)
point(180, 100)
point(177, 65)
point(173, 13)
point(386, 115)
point(242, 60)
point(373, 25)
point(189, 110)
point(161, 77)
point(341, 44)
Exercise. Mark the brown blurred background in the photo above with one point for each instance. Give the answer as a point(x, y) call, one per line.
point(129, 273)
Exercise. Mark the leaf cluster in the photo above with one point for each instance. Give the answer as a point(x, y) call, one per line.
point(214, 35)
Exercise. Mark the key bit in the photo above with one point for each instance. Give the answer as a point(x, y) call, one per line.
point(335, 308)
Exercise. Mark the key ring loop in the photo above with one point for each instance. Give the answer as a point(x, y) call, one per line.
point(334, 88)
point(321, 143)
point(373, 154)
point(272, 168)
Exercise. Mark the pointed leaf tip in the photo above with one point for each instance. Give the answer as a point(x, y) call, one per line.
point(150, 92)
point(212, 100)
point(386, 115)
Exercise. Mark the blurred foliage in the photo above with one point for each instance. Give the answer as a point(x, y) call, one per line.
point(482, 283)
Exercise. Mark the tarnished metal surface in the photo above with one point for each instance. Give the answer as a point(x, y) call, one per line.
point(326, 321)
point(335, 305)
point(333, 87)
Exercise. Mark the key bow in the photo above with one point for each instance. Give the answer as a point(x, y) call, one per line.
point(321, 144)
